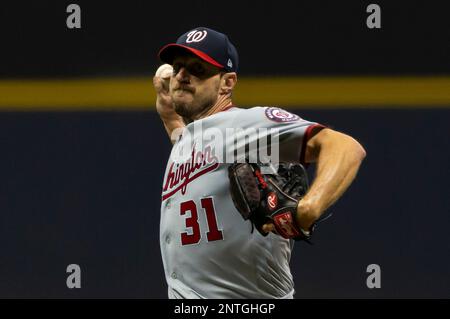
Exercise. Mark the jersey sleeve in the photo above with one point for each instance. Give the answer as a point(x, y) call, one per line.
point(291, 132)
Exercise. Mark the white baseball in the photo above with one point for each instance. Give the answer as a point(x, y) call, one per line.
point(164, 71)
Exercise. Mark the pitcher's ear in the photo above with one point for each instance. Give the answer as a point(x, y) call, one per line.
point(227, 82)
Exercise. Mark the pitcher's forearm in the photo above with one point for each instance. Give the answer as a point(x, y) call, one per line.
point(173, 128)
point(337, 165)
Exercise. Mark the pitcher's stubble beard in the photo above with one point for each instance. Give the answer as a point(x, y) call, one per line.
point(189, 111)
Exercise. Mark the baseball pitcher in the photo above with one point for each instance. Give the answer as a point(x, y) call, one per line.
point(235, 195)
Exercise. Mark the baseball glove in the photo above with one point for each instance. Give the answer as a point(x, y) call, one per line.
point(263, 198)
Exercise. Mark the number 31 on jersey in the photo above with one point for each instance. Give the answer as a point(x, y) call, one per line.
point(192, 224)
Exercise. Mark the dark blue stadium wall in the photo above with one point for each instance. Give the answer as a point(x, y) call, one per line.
point(84, 188)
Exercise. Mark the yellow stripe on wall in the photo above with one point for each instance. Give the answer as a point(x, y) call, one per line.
point(288, 92)
point(346, 91)
point(80, 94)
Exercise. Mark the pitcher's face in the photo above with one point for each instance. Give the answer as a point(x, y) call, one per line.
point(194, 85)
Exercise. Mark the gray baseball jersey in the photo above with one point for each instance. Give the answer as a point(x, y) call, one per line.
point(208, 250)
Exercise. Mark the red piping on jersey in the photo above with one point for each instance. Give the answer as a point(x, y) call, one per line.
point(308, 132)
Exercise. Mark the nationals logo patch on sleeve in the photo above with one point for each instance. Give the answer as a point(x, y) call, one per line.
point(279, 115)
